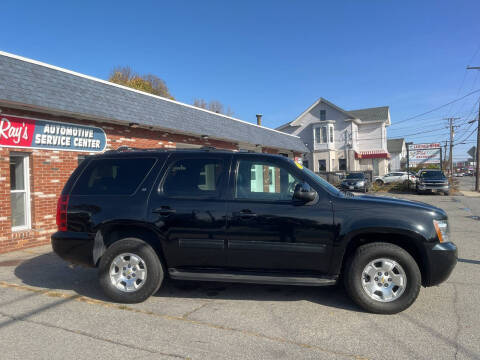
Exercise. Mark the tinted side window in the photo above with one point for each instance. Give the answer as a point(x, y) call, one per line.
point(113, 176)
point(195, 178)
point(263, 181)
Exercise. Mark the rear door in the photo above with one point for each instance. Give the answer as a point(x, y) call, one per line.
point(187, 209)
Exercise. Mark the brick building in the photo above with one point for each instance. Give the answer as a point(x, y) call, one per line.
point(50, 118)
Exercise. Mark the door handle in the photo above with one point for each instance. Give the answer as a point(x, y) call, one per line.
point(164, 211)
point(245, 214)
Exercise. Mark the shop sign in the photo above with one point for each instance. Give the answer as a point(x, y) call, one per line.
point(52, 135)
point(420, 154)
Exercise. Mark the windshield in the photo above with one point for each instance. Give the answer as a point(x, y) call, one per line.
point(432, 175)
point(355, 176)
point(322, 182)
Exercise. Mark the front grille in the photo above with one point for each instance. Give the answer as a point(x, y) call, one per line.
point(435, 184)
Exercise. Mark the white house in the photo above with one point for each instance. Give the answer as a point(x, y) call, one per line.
point(338, 139)
point(398, 153)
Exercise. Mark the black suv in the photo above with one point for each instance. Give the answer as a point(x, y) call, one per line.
point(206, 215)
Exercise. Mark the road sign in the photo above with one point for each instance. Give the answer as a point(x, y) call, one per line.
point(472, 152)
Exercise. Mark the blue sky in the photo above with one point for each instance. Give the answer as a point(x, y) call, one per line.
point(273, 57)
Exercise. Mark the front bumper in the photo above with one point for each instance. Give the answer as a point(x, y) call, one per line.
point(424, 187)
point(441, 258)
point(74, 247)
point(352, 187)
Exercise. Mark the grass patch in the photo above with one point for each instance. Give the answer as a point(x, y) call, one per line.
point(394, 188)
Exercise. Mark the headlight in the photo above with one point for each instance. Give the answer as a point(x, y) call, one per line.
point(360, 183)
point(441, 227)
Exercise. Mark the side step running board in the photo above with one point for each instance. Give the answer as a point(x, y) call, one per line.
point(259, 278)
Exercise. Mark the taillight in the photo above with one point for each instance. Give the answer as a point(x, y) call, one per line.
point(62, 206)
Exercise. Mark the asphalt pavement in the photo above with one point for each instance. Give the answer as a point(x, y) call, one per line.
point(50, 311)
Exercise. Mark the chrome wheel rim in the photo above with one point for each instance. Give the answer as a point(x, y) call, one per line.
point(384, 280)
point(128, 272)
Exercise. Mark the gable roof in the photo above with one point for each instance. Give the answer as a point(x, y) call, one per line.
point(395, 145)
point(26, 83)
point(360, 116)
point(320, 100)
point(371, 114)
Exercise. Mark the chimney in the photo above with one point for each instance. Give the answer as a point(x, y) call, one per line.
point(259, 119)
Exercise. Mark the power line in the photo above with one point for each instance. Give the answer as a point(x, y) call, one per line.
point(437, 108)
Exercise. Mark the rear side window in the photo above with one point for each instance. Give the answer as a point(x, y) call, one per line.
point(195, 178)
point(113, 176)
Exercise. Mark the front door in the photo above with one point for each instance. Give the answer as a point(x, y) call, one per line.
point(376, 167)
point(187, 208)
point(266, 229)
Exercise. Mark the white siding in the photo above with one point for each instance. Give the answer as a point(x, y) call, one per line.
point(372, 136)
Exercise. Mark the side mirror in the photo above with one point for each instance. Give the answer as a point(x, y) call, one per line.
point(304, 193)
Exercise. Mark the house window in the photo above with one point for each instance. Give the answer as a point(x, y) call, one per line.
point(330, 130)
point(19, 191)
point(305, 163)
point(321, 134)
point(323, 115)
point(342, 164)
point(322, 165)
point(324, 134)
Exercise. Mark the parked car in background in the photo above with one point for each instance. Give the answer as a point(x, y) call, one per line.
point(459, 174)
point(432, 180)
point(356, 181)
point(395, 177)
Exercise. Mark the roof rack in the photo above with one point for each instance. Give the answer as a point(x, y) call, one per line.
point(125, 148)
point(129, 148)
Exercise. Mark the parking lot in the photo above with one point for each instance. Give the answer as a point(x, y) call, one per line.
point(48, 310)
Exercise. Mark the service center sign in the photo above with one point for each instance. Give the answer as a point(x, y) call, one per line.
point(52, 135)
point(424, 153)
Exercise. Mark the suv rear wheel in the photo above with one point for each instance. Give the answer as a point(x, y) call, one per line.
point(130, 271)
point(382, 278)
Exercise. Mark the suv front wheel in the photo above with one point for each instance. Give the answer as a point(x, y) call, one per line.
point(130, 271)
point(382, 278)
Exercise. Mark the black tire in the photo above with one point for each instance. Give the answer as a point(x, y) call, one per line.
point(154, 277)
point(379, 182)
point(354, 272)
point(446, 193)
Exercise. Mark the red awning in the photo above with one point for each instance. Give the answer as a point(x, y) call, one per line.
point(372, 154)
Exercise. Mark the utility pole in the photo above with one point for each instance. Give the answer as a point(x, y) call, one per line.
point(408, 163)
point(445, 155)
point(452, 131)
point(477, 163)
point(477, 158)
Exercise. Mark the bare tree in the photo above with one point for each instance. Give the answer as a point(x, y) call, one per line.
point(213, 105)
point(200, 103)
